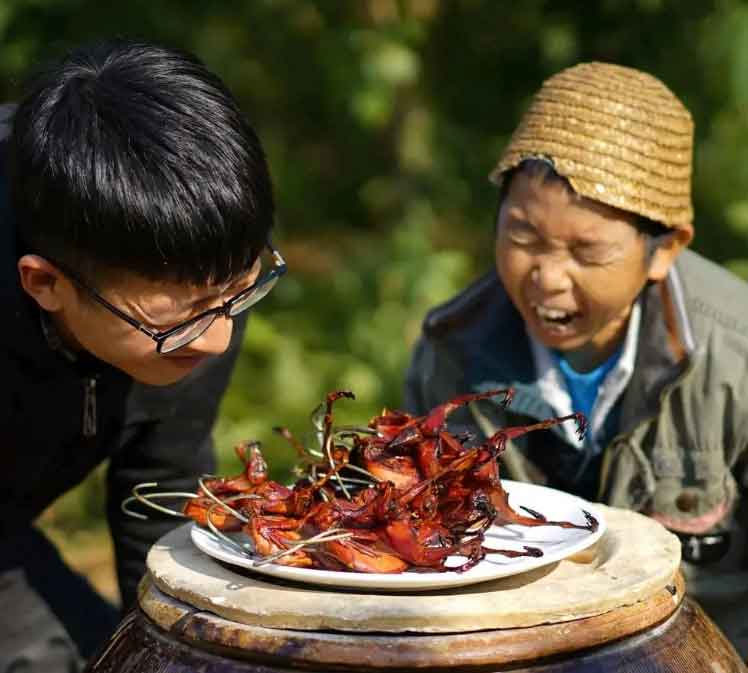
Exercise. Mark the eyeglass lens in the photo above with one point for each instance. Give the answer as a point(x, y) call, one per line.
point(252, 297)
point(196, 329)
point(187, 334)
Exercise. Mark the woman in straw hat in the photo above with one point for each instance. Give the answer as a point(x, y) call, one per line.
point(595, 306)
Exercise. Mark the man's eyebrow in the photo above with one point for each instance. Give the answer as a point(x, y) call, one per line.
point(175, 314)
point(195, 306)
point(235, 283)
point(161, 321)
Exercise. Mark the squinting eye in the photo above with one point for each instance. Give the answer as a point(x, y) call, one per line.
point(522, 238)
point(520, 233)
point(593, 255)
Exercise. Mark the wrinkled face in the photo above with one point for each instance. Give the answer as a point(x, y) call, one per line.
point(87, 325)
point(573, 267)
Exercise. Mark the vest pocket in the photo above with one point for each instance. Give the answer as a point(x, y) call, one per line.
point(667, 462)
point(692, 490)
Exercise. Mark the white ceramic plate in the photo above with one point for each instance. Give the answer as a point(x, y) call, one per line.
point(556, 544)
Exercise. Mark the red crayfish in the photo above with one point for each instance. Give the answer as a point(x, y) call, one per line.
point(404, 493)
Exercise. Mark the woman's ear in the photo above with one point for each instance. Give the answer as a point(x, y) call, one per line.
point(43, 282)
point(666, 252)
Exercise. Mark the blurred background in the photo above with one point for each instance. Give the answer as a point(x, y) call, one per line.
point(382, 120)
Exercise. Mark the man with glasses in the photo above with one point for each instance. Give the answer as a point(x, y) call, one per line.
point(135, 213)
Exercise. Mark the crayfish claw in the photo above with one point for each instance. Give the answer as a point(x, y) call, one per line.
point(342, 393)
point(533, 513)
point(508, 397)
point(403, 493)
point(581, 420)
point(408, 436)
point(592, 523)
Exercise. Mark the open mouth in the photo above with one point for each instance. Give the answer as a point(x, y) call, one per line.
point(554, 317)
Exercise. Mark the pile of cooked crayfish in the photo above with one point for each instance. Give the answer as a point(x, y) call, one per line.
point(403, 493)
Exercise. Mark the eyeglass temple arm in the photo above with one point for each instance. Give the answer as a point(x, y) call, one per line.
point(129, 319)
point(279, 261)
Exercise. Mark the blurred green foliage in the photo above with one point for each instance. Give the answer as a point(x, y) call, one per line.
point(382, 119)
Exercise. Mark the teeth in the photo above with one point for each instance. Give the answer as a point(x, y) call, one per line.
point(551, 313)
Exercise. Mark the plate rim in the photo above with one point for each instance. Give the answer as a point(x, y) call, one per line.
point(207, 542)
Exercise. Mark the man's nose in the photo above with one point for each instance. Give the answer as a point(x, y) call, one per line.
point(215, 340)
point(551, 275)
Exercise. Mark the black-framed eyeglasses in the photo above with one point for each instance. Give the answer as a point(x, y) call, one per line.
point(188, 331)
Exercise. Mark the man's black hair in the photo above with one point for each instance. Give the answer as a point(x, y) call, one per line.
point(132, 157)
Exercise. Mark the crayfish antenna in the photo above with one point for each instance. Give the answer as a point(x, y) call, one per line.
point(437, 417)
point(291, 439)
point(533, 513)
point(148, 499)
point(323, 413)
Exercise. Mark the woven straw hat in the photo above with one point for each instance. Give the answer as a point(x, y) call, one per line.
point(619, 135)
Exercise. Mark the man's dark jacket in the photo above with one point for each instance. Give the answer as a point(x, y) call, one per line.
point(147, 433)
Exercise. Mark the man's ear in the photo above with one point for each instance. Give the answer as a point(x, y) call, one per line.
point(43, 282)
point(667, 252)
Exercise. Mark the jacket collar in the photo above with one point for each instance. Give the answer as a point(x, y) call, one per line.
point(665, 349)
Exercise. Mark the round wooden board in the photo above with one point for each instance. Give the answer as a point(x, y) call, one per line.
point(281, 648)
point(614, 574)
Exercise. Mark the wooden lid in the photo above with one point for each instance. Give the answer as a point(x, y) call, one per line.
point(404, 651)
point(615, 574)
